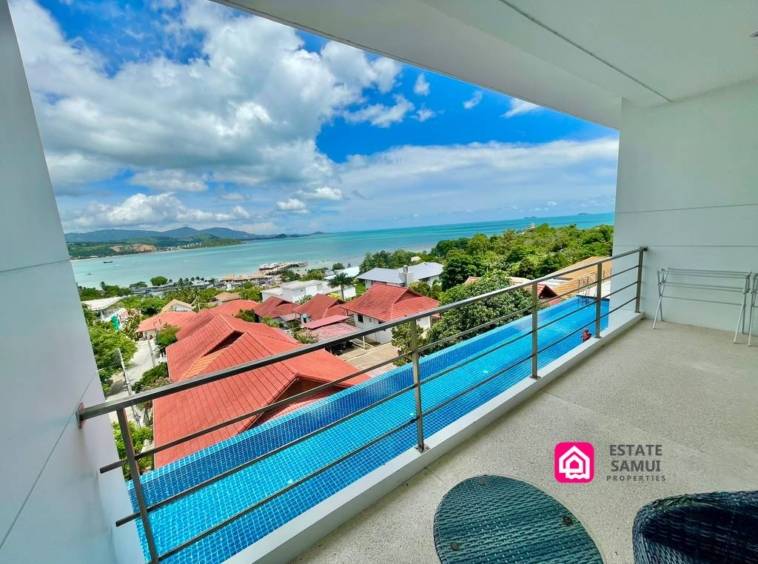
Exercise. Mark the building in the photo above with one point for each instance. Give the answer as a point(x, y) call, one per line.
point(566, 284)
point(428, 272)
point(350, 271)
point(318, 307)
point(385, 302)
point(106, 308)
point(223, 297)
point(257, 278)
point(176, 305)
point(299, 290)
point(277, 309)
point(223, 342)
point(149, 327)
point(677, 81)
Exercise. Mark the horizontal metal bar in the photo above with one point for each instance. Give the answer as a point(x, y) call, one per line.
point(701, 300)
point(258, 411)
point(717, 287)
point(282, 491)
point(566, 336)
point(617, 290)
point(474, 329)
point(470, 388)
point(174, 387)
point(707, 273)
point(565, 315)
point(257, 459)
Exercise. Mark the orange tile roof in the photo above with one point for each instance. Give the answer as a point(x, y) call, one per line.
point(320, 306)
point(222, 342)
point(175, 318)
point(275, 307)
point(385, 302)
point(222, 297)
point(234, 307)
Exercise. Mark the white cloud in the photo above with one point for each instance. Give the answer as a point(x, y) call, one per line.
point(473, 101)
point(248, 109)
point(381, 115)
point(323, 193)
point(292, 205)
point(519, 107)
point(169, 181)
point(421, 87)
point(141, 210)
point(424, 114)
point(494, 179)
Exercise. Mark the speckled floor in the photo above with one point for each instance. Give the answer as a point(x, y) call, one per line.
point(686, 388)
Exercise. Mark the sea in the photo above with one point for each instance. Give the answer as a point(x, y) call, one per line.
point(322, 249)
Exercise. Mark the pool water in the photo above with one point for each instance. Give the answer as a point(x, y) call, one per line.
point(181, 520)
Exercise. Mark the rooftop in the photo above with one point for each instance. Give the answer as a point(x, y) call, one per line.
point(321, 306)
point(178, 319)
point(275, 307)
point(385, 303)
point(701, 411)
point(234, 307)
point(416, 272)
point(101, 304)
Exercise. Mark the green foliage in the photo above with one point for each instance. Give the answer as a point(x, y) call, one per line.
point(138, 285)
point(105, 291)
point(289, 276)
point(153, 378)
point(140, 436)
point(89, 315)
point(470, 316)
point(147, 305)
point(246, 315)
point(402, 338)
point(270, 322)
point(105, 344)
point(425, 289)
point(459, 266)
point(313, 274)
point(191, 294)
point(385, 259)
point(249, 291)
point(304, 336)
point(158, 280)
point(338, 266)
point(166, 337)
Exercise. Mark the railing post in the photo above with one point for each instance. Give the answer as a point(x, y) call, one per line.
point(137, 481)
point(535, 340)
point(420, 446)
point(598, 298)
point(639, 282)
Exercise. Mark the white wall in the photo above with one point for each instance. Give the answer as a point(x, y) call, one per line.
point(54, 506)
point(688, 189)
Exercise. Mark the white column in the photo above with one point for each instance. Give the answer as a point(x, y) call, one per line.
point(55, 506)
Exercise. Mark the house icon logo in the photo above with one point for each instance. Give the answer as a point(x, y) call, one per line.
point(574, 463)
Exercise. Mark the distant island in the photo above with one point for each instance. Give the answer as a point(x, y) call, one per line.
point(115, 242)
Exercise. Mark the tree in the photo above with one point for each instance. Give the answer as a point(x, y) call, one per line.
point(340, 280)
point(338, 266)
point(159, 281)
point(504, 308)
point(459, 267)
point(249, 291)
point(105, 344)
point(246, 315)
point(402, 339)
point(304, 336)
point(139, 435)
point(155, 377)
point(425, 289)
point(165, 337)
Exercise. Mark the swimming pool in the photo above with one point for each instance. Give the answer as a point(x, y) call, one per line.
point(179, 521)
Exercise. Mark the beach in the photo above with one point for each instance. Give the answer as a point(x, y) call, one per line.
point(321, 249)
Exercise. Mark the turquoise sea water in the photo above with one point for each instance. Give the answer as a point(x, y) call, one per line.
point(317, 250)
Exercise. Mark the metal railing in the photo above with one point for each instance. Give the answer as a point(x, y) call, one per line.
point(132, 458)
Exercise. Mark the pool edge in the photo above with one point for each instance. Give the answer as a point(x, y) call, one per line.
point(295, 536)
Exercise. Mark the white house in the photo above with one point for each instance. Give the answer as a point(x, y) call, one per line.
point(301, 289)
point(428, 272)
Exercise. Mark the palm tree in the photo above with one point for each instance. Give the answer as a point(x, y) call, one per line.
point(341, 279)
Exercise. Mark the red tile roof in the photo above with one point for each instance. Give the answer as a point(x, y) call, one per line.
point(234, 307)
point(329, 320)
point(222, 297)
point(320, 306)
point(275, 307)
point(333, 330)
point(385, 303)
point(176, 318)
point(222, 342)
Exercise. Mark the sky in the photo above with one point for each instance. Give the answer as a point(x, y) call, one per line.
point(160, 113)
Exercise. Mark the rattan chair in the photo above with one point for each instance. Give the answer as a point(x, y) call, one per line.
point(711, 527)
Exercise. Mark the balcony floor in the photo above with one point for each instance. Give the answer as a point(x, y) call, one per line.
point(687, 388)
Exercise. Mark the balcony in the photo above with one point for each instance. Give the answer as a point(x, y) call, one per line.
point(265, 490)
point(687, 388)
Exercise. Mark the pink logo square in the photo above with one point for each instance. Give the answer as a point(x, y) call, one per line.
point(574, 463)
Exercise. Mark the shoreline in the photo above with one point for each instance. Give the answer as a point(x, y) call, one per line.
point(317, 250)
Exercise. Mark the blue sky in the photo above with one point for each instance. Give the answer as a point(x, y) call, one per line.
point(161, 114)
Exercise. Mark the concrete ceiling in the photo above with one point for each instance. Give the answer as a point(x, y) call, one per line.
point(577, 56)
